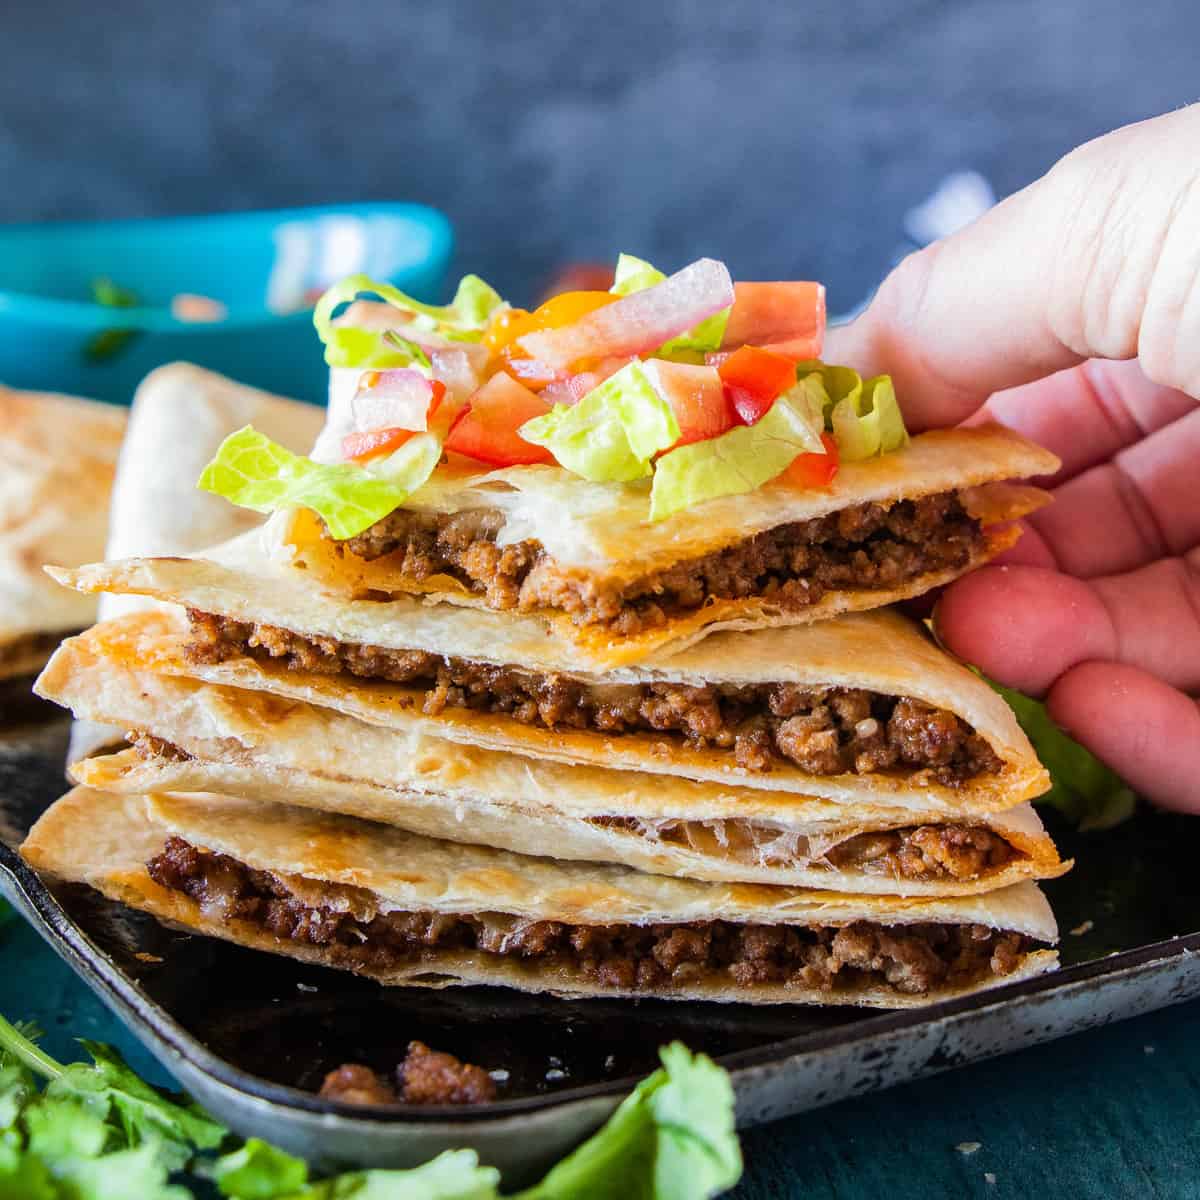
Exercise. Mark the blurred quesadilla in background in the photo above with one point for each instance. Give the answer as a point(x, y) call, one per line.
point(181, 413)
point(58, 455)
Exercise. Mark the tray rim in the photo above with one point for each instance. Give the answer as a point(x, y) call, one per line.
point(153, 1023)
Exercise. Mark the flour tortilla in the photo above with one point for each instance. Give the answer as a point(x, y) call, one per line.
point(58, 455)
point(602, 531)
point(180, 415)
point(104, 839)
point(583, 814)
point(881, 652)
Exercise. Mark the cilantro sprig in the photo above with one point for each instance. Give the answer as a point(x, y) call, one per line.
point(96, 1131)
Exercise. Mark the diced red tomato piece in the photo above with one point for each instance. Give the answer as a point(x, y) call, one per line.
point(815, 470)
point(697, 397)
point(787, 317)
point(359, 446)
point(753, 378)
point(486, 429)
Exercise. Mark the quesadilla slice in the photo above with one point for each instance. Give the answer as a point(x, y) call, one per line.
point(180, 415)
point(865, 707)
point(637, 468)
point(58, 455)
point(690, 830)
point(403, 909)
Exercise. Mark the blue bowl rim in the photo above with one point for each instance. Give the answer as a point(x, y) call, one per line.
point(88, 315)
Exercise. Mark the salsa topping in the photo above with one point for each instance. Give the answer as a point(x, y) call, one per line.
point(706, 387)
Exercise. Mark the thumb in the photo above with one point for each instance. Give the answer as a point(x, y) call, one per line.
point(1097, 259)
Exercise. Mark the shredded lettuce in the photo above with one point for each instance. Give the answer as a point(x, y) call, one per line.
point(612, 434)
point(254, 472)
point(415, 354)
point(463, 319)
point(738, 461)
point(1081, 786)
point(635, 275)
point(863, 416)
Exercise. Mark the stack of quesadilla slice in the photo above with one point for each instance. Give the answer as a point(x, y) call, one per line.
point(511, 730)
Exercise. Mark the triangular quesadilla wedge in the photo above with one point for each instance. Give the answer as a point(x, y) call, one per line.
point(409, 910)
point(862, 707)
point(180, 415)
point(666, 827)
point(586, 558)
point(58, 455)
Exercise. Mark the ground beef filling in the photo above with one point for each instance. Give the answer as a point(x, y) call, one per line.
point(918, 852)
point(348, 924)
point(865, 546)
point(825, 731)
point(424, 1076)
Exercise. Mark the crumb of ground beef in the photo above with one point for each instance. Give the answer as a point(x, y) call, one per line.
point(434, 1077)
point(352, 1083)
point(823, 730)
point(348, 924)
point(424, 1076)
point(869, 545)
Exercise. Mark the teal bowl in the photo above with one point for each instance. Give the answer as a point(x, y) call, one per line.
point(262, 270)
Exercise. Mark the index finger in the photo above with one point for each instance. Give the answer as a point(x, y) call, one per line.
point(1090, 261)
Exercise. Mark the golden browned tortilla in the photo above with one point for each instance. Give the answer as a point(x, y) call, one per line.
point(366, 877)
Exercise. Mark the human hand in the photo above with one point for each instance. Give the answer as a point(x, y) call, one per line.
point(1024, 317)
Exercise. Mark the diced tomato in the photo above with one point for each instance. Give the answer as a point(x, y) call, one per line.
point(486, 429)
point(753, 378)
point(696, 396)
point(815, 470)
point(788, 318)
point(359, 446)
point(373, 442)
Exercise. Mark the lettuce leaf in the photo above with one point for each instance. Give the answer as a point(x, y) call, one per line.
point(612, 434)
point(463, 319)
point(863, 416)
point(252, 471)
point(738, 461)
point(672, 1138)
point(635, 275)
point(1082, 788)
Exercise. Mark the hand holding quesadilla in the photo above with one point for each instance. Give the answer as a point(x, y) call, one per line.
point(1097, 609)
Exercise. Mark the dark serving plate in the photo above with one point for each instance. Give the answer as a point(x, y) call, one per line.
point(251, 1035)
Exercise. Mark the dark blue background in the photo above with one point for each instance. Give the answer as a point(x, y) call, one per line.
point(787, 137)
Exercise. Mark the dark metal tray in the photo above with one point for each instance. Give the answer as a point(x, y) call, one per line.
point(251, 1035)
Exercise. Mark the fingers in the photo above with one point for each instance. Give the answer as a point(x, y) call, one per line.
point(1126, 513)
point(1145, 730)
point(1089, 413)
point(1096, 260)
point(1026, 626)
